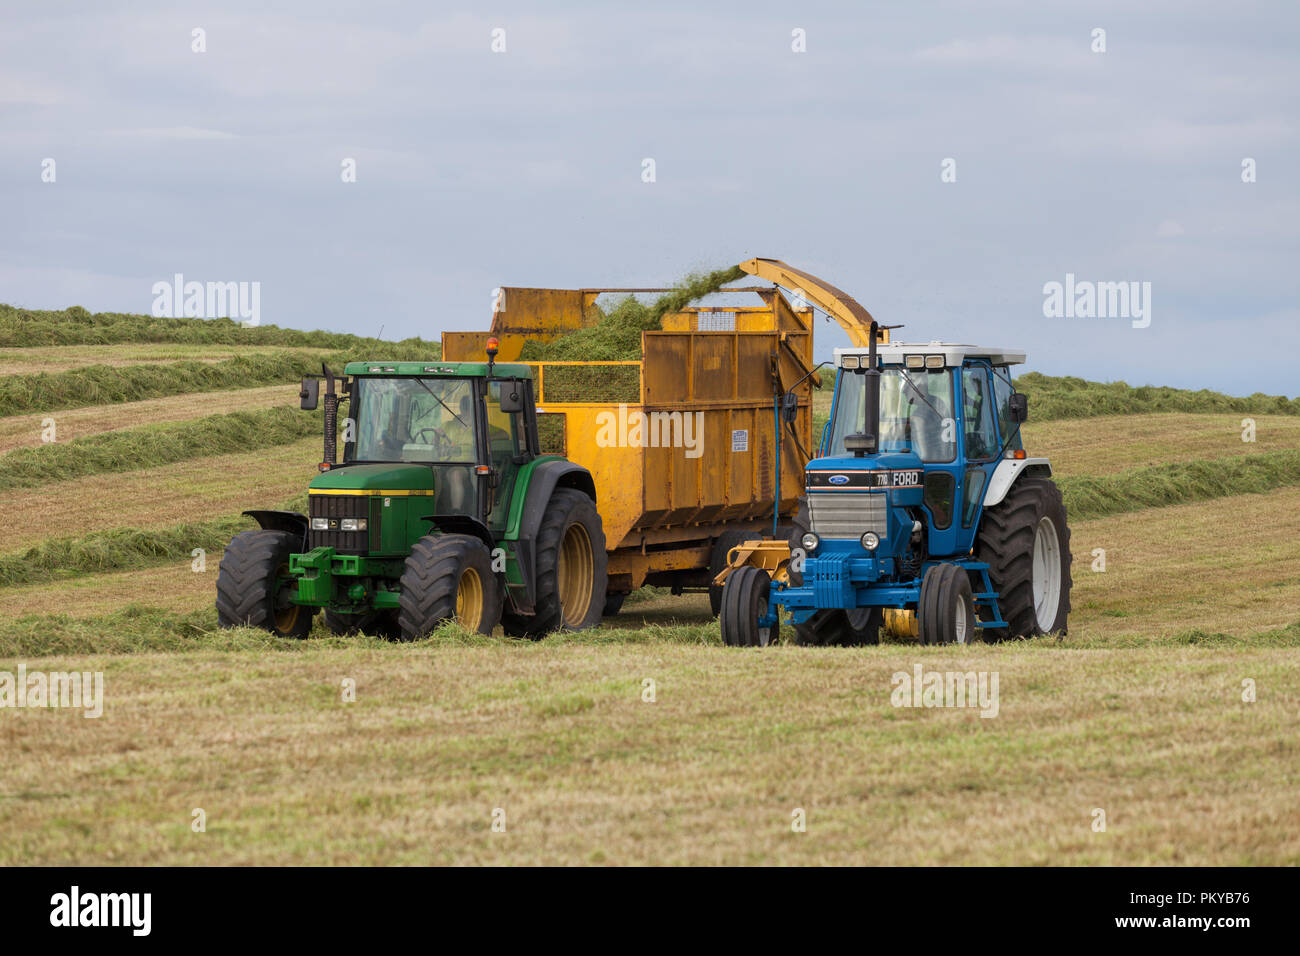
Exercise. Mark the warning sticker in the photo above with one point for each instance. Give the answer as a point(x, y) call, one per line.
point(740, 440)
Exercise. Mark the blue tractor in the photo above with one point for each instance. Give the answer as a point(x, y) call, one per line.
point(922, 512)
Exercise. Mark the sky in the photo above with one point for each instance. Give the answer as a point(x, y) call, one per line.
point(941, 162)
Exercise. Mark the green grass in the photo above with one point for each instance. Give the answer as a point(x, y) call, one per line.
point(151, 446)
point(1093, 496)
point(1052, 398)
point(616, 336)
point(76, 326)
point(104, 384)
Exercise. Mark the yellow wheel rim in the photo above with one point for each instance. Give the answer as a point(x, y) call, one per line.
point(574, 575)
point(469, 600)
point(285, 618)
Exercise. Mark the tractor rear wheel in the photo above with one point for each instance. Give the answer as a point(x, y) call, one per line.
point(571, 562)
point(946, 609)
point(834, 626)
point(448, 577)
point(375, 623)
point(254, 586)
point(1026, 541)
point(744, 601)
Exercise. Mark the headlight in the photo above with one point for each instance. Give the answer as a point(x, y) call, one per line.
point(810, 541)
point(320, 524)
point(870, 541)
point(352, 524)
point(848, 361)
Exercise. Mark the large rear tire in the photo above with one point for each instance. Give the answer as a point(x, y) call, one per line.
point(1026, 541)
point(744, 601)
point(448, 577)
point(254, 586)
point(571, 575)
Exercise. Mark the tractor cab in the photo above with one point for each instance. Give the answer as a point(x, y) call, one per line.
point(448, 431)
point(945, 422)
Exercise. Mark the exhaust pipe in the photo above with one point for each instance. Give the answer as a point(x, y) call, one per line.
point(866, 441)
point(331, 419)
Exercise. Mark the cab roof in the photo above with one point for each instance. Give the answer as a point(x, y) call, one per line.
point(477, 369)
point(953, 353)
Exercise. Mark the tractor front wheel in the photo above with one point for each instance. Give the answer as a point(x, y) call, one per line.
point(946, 609)
point(571, 576)
point(254, 587)
point(744, 602)
point(448, 577)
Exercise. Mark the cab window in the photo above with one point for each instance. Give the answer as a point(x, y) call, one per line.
point(977, 410)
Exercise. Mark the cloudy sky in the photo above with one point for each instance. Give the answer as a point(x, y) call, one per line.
point(477, 169)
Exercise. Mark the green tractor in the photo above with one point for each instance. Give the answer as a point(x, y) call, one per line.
point(443, 507)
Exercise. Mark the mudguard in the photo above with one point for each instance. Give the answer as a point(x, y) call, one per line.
point(291, 521)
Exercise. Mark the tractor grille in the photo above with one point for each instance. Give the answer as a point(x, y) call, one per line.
point(844, 514)
point(335, 507)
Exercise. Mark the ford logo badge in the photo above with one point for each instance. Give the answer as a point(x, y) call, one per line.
point(838, 479)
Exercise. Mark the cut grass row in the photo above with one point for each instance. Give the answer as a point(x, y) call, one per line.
point(559, 736)
point(17, 431)
point(194, 491)
point(113, 548)
point(24, 328)
point(102, 384)
point(64, 358)
point(1162, 582)
point(151, 446)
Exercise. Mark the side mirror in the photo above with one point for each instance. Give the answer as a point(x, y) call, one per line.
point(309, 395)
point(789, 406)
point(512, 397)
point(1018, 407)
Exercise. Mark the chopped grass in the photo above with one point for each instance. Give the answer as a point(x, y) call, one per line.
point(1052, 398)
point(1158, 486)
point(151, 446)
point(616, 335)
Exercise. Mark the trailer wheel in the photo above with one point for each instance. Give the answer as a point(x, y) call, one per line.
point(375, 623)
point(834, 626)
point(946, 609)
point(254, 586)
point(448, 576)
point(571, 562)
point(718, 560)
point(744, 601)
point(1026, 541)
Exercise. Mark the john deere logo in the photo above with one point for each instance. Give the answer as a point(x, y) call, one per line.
point(838, 479)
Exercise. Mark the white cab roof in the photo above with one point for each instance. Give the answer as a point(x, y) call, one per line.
point(953, 353)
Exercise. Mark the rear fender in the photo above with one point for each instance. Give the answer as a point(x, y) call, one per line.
point(1006, 473)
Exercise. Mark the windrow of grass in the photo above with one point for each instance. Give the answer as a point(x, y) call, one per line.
point(151, 446)
point(103, 384)
point(1052, 398)
point(76, 326)
point(1085, 496)
point(1158, 486)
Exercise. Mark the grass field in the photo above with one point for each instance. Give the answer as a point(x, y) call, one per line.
point(1138, 711)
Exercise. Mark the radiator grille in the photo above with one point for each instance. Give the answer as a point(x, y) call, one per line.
point(335, 507)
point(842, 514)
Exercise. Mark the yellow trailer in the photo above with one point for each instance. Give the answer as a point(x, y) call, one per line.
point(684, 444)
